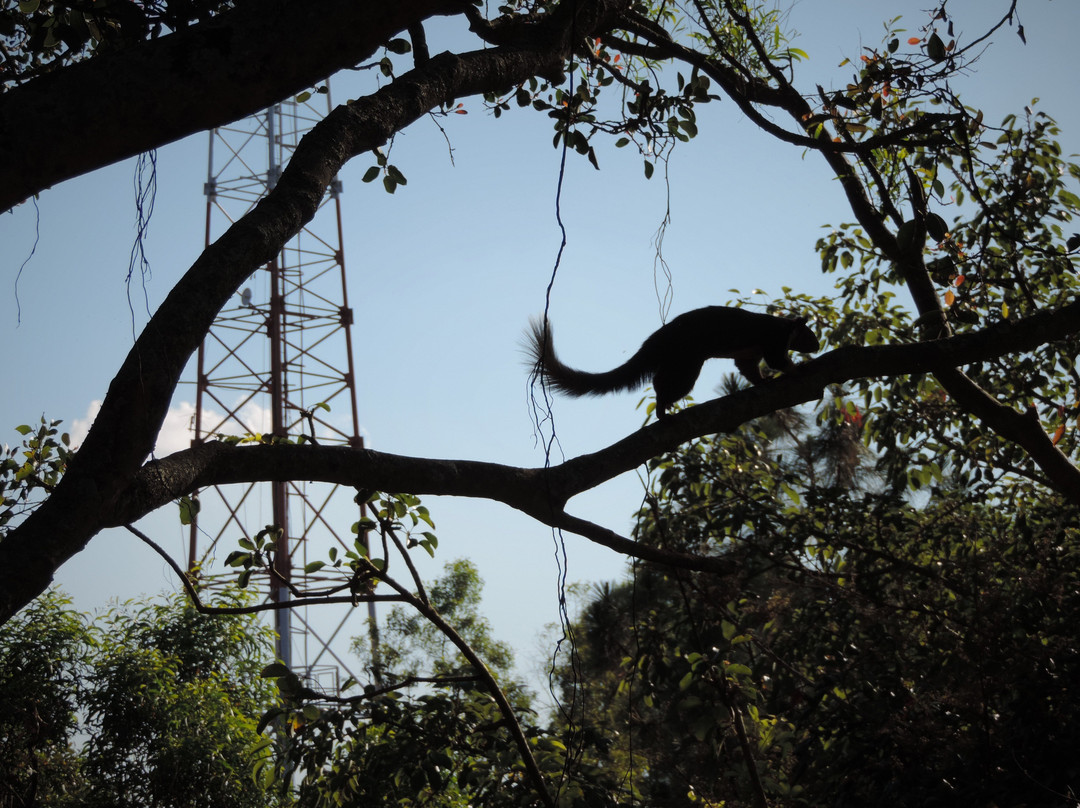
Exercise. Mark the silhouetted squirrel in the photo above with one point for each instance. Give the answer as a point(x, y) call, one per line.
point(674, 354)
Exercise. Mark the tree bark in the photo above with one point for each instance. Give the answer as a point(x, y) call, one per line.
point(113, 106)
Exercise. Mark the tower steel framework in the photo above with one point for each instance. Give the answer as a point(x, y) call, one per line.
point(278, 361)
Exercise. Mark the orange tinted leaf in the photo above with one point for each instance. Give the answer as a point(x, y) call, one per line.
point(914, 40)
point(949, 298)
point(1058, 434)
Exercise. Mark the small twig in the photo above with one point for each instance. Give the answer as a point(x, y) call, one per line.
point(201, 607)
point(408, 562)
point(408, 681)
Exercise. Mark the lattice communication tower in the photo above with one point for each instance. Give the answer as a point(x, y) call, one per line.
point(279, 361)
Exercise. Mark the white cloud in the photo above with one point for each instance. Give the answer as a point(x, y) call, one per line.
point(178, 429)
point(80, 426)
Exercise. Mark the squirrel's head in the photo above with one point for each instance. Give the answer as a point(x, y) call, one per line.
point(802, 338)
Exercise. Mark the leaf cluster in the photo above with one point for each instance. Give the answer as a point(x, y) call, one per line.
point(870, 647)
point(31, 471)
point(427, 729)
point(410, 646)
point(152, 706)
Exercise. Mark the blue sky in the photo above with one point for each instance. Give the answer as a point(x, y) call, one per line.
point(445, 274)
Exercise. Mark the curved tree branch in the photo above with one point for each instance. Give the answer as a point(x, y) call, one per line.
point(543, 492)
point(131, 414)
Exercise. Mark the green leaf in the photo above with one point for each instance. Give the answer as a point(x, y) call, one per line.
point(268, 718)
point(702, 726)
point(189, 509)
point(935, 48)
point(1069, 199)
point(370, 174)
point(791, 493)
point(238, 558)
point(907, 236)
point(936, 227)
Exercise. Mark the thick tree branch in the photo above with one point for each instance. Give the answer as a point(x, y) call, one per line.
point(543, 492)
point(1023, 429)
point(121, 104)
point(131, 414)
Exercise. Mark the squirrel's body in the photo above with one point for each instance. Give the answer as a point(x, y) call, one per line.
point(673, 355)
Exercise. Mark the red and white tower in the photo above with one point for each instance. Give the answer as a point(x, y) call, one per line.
point(279, 361)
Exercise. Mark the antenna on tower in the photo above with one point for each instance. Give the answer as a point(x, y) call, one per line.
point(284, 368)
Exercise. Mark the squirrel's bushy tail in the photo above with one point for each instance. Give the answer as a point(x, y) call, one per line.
point(571, 382)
